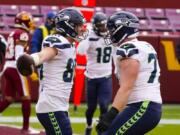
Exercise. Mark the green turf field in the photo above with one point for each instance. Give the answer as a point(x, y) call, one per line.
point(171, 113)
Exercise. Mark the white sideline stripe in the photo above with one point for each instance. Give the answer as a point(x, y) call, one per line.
point(5, 119)
point(36, 131)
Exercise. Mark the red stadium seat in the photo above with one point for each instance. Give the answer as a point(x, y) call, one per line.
point(173, 14)
point(175, 24)
point(1, 23)
point(144, 25)
point(34, 10)
point(39, 21)
point(160, 25)
point(110, 10)
point(155, 13)
point(98, 9)
point(10, 10)
point(46, 9)
point(8, 21)
point(139, 12)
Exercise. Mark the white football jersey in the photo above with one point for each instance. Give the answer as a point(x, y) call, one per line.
point(58, 76)
point(147, 86)
point(99, 56)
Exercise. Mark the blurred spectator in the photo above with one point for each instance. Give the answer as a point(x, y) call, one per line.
point(15, 83)
point(42, 31)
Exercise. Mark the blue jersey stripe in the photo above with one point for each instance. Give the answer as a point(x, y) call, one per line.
point(121, 53)
point(132, 52)
point(62, 46)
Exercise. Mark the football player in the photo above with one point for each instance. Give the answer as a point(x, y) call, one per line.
point(3, 45)
point(15, 83)
point(58, 58)
point(139, 72)
point(98, 70)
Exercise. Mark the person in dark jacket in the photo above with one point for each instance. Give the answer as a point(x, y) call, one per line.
point(42, 31)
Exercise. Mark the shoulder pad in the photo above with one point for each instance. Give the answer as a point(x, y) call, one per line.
point(55, 42)
point(93, 39)
point(52, 40)
point(127, 50)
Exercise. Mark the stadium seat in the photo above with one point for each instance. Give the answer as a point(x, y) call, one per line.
point(38, 21)
point(8, 21)
point(34, 10)
point(1, 23)
point(144, 25)
point(110, 10)
point(10, 10)
point(46, 9)
point(173, 14)
point(175, 24)
point(155, 13)
point(98, 9)
point(160, 25)
point(139, 12)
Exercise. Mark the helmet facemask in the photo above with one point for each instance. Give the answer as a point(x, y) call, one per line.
point(99, 23)
point(101, 28)
point(122, 27)
point(71, 25)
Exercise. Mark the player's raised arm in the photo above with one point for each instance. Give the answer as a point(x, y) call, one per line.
point(26, 63)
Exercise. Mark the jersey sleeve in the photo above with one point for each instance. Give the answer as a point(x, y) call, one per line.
point(128, 51)
point(55, 42)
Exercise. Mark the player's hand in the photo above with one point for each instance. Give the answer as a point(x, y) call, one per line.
point(25, 64)
point(106, 120)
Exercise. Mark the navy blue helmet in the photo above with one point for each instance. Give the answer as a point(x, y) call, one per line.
point(99, 22)
point(122, 25)
point(67, 20)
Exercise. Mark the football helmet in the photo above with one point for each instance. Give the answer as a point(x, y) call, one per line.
point(122, 25)
point(99, 22)
point(24, 20)
point(67, 21)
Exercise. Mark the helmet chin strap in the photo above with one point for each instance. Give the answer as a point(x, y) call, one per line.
point(134, 35)
point(122, 39)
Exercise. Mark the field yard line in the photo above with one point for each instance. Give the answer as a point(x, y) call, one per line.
point(7, 119)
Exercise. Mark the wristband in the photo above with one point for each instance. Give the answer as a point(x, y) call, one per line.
point(36, 59)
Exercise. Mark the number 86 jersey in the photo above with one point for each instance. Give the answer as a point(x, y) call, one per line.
point(58, 76)
point(147, 86)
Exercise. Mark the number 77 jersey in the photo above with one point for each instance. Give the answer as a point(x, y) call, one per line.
point(147, 86)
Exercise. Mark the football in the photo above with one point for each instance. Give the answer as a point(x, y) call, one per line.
point(25, 65)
